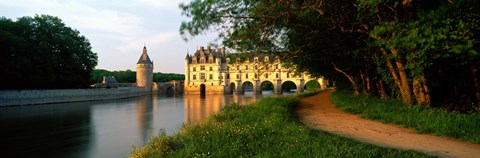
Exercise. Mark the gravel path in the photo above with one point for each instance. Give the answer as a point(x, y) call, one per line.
point(318, 112)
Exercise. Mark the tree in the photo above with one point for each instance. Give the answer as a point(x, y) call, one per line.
point(380, 47)
point(41, 52)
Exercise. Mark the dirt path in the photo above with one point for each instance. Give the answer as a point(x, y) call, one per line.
point(318, 112)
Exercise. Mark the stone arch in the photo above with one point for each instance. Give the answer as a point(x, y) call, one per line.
point(170, 89)
point(312, 84)
point(231, 88)
point(247, 86)
point(287, 86)
point(203, 88)
point(267, 85)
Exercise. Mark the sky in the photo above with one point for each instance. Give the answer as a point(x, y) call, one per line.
point(118, 29)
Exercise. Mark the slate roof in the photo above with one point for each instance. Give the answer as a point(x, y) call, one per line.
point(144, 59)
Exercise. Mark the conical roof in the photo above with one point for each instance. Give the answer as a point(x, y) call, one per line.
point(144, 59)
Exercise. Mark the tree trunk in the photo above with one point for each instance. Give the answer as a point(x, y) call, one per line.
point(401, 79)
point(476, 82)
point(349, 77)
point(381, 89)
point(369, 86)
point(392, 70)
point(426, 89)
point(364, 83)
point(407, 92)
point(418, 91)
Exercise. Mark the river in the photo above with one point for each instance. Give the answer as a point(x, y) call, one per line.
point(103, 129)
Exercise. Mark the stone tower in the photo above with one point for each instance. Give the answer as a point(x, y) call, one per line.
point(145, 71)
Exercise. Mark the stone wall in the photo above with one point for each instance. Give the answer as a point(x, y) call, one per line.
point(27, 97)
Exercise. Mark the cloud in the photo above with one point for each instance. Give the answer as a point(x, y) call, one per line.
point(161, 4)
point(117, 29)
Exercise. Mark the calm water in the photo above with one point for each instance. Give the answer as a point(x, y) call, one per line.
point(103, 129)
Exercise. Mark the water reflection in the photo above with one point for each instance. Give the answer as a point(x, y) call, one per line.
point(102, 128)
point(45, 130)
point(144, 108)
point(199, 107)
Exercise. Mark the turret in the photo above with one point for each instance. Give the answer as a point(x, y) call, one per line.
point(187, 69)
point(145, 71)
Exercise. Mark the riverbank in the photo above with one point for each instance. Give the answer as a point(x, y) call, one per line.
point(267, 128)
point(28, 97)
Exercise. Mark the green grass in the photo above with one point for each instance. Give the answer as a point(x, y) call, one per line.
point(434, 121)
point(265, 129)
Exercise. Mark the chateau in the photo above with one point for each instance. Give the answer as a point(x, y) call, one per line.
point(210, 71)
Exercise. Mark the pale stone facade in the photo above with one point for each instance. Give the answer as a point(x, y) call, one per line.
point(210, 71)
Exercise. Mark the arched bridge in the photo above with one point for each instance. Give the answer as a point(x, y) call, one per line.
point(171, 87)
point(210, 71)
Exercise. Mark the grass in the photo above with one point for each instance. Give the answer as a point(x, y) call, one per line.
point(267, 128)
point(434, 121)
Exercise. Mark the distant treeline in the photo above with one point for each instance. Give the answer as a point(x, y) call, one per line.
point(129, 76)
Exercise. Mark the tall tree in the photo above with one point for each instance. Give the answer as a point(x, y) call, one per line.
point(41, 52)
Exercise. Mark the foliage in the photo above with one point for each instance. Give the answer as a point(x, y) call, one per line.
point(165, 77)
point(423, 120)
point(265, 129)
point(311, 85)
point(42, 52)
point(129, 76)
point(396, 49)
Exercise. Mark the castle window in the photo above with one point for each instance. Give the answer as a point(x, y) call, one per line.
point(246, 75)
point(211, 68)
point(256, 76)
point(288, 75)
point(246, 67)
point(228, 67)
point(194, 69)
point(256, 67)
point(194, 77)
point(276, 75)
point(266, 75)
point(238, 67)
point(276, 66)
point(266, 67)
point(202, 76)
point(202, 67)
point(238, 76)
point(210, 76)
point(228, 76)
